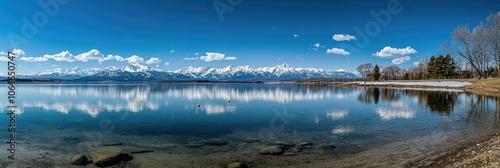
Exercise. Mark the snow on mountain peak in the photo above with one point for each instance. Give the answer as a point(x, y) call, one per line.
point(136, 68)
point(229, 73)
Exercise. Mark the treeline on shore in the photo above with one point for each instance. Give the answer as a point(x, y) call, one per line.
point(471, 53)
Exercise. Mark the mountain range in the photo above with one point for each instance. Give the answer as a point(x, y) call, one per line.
point(139, 72)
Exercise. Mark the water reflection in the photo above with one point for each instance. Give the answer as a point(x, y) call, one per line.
point(480, 110)
point(441, 102)
point(398, 109)
point(335, 115)
point(218, 109)
point(95, 99)
point(483, 111)
point(342, 130)
point(436, 101)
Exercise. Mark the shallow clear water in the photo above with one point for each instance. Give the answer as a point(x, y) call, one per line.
point(55, 122)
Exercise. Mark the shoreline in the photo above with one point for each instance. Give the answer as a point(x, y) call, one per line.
point(487, 87)
point(484, 153)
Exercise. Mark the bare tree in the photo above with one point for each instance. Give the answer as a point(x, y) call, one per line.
point(365, 70)
point(493, 37)
point(482, 47)
point(445, 48)
point(468, 47)
point(392, 72)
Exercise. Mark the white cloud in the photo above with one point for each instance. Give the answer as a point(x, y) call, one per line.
point(93, 55)
point(172, 51)
point(389, 52)
point(34, 59)
point(213, 56)
point(400, 60)
point(118, 58)
point(399, 55)
point(4, 59)
point(166, 64)
point(192, 58)
point(153, 60)
point(196, 54)
point(19, 53)
point(343, 37)
point(337, 51)
point(63, 56)
point(230, 58)
point(295, 35)
point(66, 56)
point(134, 59)
point(317, 45)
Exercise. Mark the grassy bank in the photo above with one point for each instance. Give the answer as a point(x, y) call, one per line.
point(488, 87)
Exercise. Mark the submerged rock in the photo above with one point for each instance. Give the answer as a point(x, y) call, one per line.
point(109, 155)
point(141, 151)
point(291, 151)
point(237, 165)
point(283, 144)
point(112, 144)
point(79, 160)
point(251, 140)
point(215, 142)
point(325, 148)
point(305, 145)
point(271, 150)
point(289, 154)
point(194, 145)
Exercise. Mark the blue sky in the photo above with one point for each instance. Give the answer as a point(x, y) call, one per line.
point(173, 34)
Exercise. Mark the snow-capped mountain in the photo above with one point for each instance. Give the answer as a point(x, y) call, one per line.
point(60, 73)
point(138, 72)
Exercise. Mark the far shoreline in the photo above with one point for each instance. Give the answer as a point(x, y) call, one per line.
point(487, 87)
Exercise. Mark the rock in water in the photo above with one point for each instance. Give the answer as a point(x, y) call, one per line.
point(283, 144)
point(194, 145)
point(215, 142)
point(109, 155)
point(289, 154)
point(79, 160)
point(305, 145)
point(237, 165)
point(291, 151)
point(251, 140)
point(141, 151)
point(271, 150)
point(325, 148)
point(112, 144)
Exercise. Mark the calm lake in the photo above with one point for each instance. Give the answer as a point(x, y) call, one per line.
point(348, 127)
